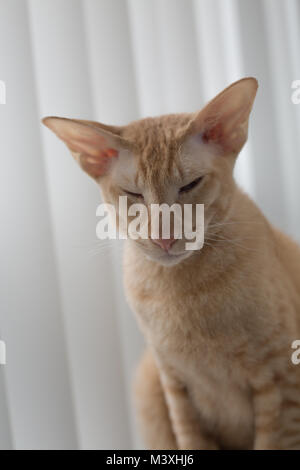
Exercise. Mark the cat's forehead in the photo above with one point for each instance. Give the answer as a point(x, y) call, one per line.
point(156, 143)
point(159, 154)
point(156, 130)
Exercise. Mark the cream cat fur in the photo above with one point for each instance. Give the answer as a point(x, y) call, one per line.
point(218, 322)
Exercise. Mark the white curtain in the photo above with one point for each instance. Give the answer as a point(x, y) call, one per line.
point(72, 343)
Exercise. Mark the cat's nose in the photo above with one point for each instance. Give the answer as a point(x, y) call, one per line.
point(164, 243)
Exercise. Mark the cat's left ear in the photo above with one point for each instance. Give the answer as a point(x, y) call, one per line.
point(224, 120)
point(93, 145)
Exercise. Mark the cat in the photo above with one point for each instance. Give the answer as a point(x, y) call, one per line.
point(218, 322)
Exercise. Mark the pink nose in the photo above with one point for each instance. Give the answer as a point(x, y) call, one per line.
point(164, 243)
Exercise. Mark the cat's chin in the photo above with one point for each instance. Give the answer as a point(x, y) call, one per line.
point(169, 259)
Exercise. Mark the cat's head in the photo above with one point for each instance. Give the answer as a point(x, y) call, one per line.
point(179, 158)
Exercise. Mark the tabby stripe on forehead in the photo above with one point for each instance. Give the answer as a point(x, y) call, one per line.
point(171, 160)
point(289, 403)
point(142, 166)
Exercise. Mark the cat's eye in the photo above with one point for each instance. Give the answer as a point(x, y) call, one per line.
point(191, 185)
point(136, 195)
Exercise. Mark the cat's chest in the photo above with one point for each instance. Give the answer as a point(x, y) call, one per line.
point(191, 329)
point(168, 309)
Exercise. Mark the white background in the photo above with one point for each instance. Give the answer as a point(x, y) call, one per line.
point(72, 343)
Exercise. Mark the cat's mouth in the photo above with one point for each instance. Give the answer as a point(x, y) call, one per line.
point(167, 258)
point(170, 259)
point(176, 255)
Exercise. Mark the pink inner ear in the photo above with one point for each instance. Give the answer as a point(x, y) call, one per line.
point(97, 166)
point(214, 133)
point(94, 168)
point(90, 143)
point(111, 152)
point(93, 147)
point(95, 153)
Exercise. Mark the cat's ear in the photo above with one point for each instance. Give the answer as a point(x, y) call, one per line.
point(92, 144)
point(224, 120)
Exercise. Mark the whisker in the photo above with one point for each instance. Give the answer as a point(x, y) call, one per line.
point(240, 222)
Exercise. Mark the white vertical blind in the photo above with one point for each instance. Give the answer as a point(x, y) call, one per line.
point(86, 282)
point(5, 430)
point(221, 63)
point(72, 343)
point(115, 101)
point(277, 28)
point(180, 74)
point(291, 18)
point(36, 377)
point(146, 53)
point(266, 156)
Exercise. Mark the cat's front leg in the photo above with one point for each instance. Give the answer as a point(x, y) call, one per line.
point(267, 409)
point(184, 417)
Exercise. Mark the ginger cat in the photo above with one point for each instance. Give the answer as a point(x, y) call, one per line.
point(218, 322)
